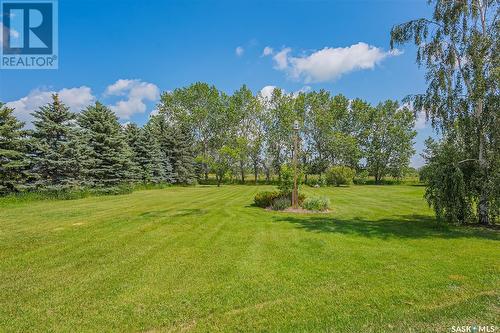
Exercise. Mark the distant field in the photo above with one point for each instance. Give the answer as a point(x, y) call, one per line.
point(203, 259)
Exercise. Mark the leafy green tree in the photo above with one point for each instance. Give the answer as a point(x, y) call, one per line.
point(246, 109)
point(459, 47)
point(318, 128)
point(196, 109)
point(390, 140)
point(109, 157)
point(447, 181)
point(14, 162)
point(222, 162)
point(280, 112)
point(57, 149)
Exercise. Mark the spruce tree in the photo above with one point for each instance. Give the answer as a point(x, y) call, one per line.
point(13, 159)
point(181, 155)
point(147, 155)
point(55, 147)
point(160, 130)
point(109, 156)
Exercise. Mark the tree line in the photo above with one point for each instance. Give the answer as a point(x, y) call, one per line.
point(199, 130)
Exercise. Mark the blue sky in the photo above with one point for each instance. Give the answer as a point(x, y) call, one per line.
point(125, 52)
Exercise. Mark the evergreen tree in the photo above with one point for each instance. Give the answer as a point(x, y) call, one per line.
point(109, 156)
point(13, 160)
point(161, 132)
point(147, 155)
point(55, 147)
point(181, 156)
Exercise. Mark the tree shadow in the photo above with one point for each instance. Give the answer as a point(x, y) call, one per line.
point(402, 226)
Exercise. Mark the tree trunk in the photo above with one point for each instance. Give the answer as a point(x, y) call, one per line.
point(483, 197)
point(255, 171)
point(242, 170)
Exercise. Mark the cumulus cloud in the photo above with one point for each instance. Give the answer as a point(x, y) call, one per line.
point(267, 92)
point(267, 51)
point(239, 51)
point(329, 63)
point(281, 59)
point(75, 98)
point(136, 92)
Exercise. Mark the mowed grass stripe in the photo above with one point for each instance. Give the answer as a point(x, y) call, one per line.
point(203, 259)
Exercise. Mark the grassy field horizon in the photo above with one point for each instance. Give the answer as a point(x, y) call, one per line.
point(204, 259)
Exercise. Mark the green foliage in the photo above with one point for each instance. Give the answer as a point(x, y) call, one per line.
point(362, 177)
point(56, 147)
point(390, 140)
point(447, 182)
point(265, 199)
point(340, 175)
point(459, 48)
point(316, 203)
point(109, 158)
point(13, 147)
point(147, 155)
point(281, 203)
point(286, 182)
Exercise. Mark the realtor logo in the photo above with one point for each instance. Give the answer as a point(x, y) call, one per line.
point(29, 38)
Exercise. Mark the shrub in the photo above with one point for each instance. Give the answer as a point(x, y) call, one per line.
point(362, 177)
point(316, 203)
point(266, 198)
point(340, 175)
point(286, 182)
point(281, 203)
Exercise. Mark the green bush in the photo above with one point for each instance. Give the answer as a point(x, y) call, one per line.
point(286, 183)
point(316, 203)
point(265, 199)
point(361, 177)
point(340, 175)
point(281, 203)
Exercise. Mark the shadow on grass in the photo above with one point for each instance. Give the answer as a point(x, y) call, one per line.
point(404, 226)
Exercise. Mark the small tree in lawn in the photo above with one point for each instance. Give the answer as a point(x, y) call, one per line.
point(14, 162)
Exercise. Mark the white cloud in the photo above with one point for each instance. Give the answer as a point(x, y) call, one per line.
point(267, 51)
point(239, 51)
point(267, 92)
point(75, 98)
point(329, 64)
point(137, 93)
point(281, 59)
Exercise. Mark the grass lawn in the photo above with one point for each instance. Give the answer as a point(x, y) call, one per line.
point(203, 259)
